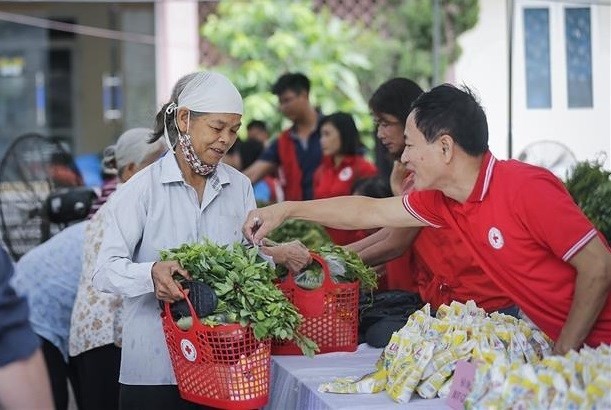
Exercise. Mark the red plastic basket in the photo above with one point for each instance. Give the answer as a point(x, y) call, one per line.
point(330, 314)
point(223, 366)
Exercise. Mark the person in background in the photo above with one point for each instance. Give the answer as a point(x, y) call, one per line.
point(257, 130)
point(187, 196)
point(48, 276)
point(96, 320)
point(63, 171)
point(244, 153)
point(296, 153)
point(24, 381)
point(390, 104)
point(341, 166)
point(518, 220)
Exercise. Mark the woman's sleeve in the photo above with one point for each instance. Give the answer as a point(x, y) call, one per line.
point(115, 272)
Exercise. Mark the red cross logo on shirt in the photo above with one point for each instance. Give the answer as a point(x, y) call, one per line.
point(495, 237)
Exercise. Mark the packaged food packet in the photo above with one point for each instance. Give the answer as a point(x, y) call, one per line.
point(520, 382)
point(529, 352)
point(598, 392)
point(561, 390)
point(406, 372)
point(444, 391)
point(429, 387)
point(373, 382)
point(575, 397)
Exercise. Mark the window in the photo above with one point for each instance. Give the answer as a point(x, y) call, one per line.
point(578, 57)
point(537, 57)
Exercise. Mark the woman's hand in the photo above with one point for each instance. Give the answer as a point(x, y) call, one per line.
point(166, 288)
point(294, 255)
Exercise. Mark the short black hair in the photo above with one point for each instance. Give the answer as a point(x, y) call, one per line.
point(447, 109)
point(395, 97)
point(350, 140)
point(257, 124)
point(296, 82)
point(250, 150)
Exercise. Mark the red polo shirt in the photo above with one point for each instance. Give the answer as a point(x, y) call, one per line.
point(522, 227)
point(331, 180)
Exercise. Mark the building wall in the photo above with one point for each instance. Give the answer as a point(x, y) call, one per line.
point(93, 58)
point(484, 65)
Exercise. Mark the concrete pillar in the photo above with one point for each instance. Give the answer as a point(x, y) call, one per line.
point(176, 45)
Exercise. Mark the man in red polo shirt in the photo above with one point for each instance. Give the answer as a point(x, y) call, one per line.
point(433, 262)
point(518, 220)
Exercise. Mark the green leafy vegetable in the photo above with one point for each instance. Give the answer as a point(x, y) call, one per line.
point(244, 285)
point(310, 234)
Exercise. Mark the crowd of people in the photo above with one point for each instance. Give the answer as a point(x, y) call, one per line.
point(451, 222)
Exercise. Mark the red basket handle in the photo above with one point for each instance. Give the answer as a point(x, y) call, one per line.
point(327, 283)
point(168, 314)
point(311, 302)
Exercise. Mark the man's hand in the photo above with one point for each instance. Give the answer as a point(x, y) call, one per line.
point(294, 255)
point(262, 221)
point(166, 288)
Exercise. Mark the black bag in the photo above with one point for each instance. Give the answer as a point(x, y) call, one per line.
point(383, 313)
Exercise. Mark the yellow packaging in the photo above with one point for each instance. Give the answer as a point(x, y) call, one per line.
point(373, 382)
point(429, 387)
point(405, 374)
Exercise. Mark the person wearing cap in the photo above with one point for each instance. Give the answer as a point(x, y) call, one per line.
point(187, 196)
point(96, 321)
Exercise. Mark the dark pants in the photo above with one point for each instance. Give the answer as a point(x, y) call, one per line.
point(511, 311)
point(98, 373)
point(59, 374)
point(162, 397)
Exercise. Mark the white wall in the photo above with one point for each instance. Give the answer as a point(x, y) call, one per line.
point(483, 65)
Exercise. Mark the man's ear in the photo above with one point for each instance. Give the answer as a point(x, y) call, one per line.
point(447, 146)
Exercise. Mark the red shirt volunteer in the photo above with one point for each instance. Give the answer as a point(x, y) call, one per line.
point(446, 270)
point(331, 180)
point(520, 243)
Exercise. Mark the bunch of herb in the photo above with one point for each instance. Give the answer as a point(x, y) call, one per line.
point(311, 234)
point(344, 266)
point(243, 283)
point(354, 268)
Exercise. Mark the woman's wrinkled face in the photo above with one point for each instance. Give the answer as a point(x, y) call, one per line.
point(211, 134)
point(330, 140)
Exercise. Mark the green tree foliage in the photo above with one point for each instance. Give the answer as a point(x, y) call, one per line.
point(263, 39)
point(346, 62)
point(409, 27)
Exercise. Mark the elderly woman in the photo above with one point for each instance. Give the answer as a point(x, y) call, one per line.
point(187, 196)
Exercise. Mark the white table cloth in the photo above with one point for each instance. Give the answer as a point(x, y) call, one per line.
point(295, 381)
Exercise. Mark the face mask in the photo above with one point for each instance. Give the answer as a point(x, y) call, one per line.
point(196, 164)
point(184, 141)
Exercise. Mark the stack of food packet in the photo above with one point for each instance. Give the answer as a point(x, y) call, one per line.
point(421, 356)
point(574, 381)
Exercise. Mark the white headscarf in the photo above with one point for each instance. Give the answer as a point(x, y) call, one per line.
point(207, 92)
point(212, 93)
